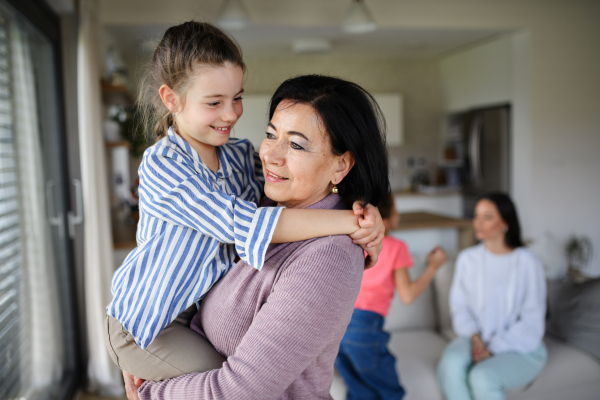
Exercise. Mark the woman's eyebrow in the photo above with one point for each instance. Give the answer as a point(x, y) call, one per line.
point(302, 135)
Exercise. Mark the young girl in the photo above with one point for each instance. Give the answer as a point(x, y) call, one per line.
point(365, 363)
point(198, 194)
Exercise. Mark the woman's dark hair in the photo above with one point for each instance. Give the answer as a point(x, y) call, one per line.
point(385, 205)
point(354, 123)
point(508, 213)
point(180, 52)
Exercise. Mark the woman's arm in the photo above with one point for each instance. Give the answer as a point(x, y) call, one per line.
point(527, 332)
point(306, 312)
point(463, 321)
point(409, 290)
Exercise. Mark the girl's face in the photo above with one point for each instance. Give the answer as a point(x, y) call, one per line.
point(213, 104)
point(488, 223)
point(299, 166)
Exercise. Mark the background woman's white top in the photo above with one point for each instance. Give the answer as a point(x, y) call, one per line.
point(500, 296)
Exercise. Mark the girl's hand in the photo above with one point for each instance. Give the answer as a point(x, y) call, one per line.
point(371, 232)
point(437, 257)
point(132, 385)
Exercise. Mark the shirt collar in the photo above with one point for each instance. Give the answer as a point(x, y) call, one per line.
point(226, 167)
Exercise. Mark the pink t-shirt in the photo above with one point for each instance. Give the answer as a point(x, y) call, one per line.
point(377, 287)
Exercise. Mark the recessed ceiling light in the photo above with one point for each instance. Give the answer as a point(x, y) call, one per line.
point(311, 45)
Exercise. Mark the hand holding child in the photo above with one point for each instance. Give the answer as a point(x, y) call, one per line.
point(132, 385)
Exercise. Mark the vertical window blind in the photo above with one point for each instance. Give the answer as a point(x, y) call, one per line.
point(14, 349)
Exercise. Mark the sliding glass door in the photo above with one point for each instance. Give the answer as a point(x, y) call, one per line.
point(38, 335)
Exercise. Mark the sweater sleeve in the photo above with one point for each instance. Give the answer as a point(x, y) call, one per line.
point(525, 335)
point(173, 192)
point(463, 320)
point(309, 304)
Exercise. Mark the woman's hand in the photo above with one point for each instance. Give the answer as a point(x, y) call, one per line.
point(479, 351)
point(132, 385)
point(371, 232)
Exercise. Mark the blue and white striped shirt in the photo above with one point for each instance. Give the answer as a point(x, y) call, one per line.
point(192, 223)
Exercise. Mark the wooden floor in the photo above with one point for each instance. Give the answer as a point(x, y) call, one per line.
point(88, 396)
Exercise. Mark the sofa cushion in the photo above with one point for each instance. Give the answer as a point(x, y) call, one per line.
point(441, 284)
point(574, 311)
point(418, 315)
point(566, 367)
point(417, 354)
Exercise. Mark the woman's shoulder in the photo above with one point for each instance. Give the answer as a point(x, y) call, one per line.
point(528, 257)
point(470, 253)
point(337, 250)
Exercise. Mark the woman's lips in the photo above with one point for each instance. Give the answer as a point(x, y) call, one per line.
point(273, 178)
point(223, 130)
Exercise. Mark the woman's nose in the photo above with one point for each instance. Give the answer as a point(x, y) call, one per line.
point(275, 154)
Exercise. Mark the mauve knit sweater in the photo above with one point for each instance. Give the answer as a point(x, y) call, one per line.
point(280, 327)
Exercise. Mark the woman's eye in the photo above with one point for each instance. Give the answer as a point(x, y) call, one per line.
point(270, 135)
point(296, 146)
point(238, 98)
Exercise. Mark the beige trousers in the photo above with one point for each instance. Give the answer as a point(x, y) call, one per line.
point(177, 350)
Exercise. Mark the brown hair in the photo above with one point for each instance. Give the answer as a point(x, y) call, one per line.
point(181, 50)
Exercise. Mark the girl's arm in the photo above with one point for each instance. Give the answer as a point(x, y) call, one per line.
point(363, 224)
point(409, 290)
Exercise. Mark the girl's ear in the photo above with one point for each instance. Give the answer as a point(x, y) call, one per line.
point(345, 164)
point(169, 98)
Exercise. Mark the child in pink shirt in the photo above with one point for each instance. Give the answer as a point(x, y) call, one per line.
point(364, 361)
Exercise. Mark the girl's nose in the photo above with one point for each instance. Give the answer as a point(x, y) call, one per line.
point(229, 114)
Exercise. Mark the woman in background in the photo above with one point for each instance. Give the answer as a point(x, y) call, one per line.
point(498, 305)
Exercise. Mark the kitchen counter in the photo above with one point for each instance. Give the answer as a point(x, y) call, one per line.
point(426, 220)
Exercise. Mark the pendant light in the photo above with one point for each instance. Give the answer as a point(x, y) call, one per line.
point(358, 19)
point(234, 16)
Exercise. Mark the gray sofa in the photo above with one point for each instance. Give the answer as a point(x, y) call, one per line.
point(421, 331)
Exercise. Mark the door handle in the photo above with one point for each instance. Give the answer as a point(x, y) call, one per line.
point(77, 217)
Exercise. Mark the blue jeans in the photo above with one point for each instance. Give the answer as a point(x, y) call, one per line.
point(488, 379)
point(364, 361)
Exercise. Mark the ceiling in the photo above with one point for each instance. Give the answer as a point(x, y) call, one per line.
point(137, 25)
point(274, 40)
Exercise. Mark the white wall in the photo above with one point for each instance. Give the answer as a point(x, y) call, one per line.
point(418, 81)
point(553, 83)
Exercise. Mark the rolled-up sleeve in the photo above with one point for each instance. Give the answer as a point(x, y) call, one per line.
point(171, 191)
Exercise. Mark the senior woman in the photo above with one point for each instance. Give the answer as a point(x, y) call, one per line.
point(280, 327)
point(498, 305)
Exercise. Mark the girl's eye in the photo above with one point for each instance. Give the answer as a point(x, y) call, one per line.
point(216, 103)
point(238, 98)
point(296, 146)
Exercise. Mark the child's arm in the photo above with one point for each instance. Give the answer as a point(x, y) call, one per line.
point(409, 290)
point(364, 225)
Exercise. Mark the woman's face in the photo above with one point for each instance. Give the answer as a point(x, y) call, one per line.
point(298, 164)
point(488, 223)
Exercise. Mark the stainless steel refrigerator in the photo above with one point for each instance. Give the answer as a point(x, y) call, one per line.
point(486, 141)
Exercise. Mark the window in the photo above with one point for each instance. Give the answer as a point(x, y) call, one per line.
point(38, 336)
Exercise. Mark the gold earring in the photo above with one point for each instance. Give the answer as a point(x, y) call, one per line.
point(334, 190)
